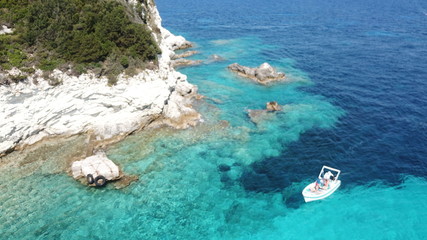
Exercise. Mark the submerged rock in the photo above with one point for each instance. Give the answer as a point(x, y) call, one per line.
point(263, 74)
point(224, 168)
point(125, 181)
point(258, 116)
point(185, 62)
point(97, 165)
point(216, 58)
point(185, 54)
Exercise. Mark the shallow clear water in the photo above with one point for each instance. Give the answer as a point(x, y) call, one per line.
point(356, 101)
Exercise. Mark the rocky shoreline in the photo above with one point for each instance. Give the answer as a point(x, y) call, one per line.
point(34, 110)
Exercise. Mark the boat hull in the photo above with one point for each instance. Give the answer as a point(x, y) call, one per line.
point(310, 196)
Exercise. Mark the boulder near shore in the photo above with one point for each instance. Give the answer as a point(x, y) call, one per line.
point(264, 74)
point(97, 169)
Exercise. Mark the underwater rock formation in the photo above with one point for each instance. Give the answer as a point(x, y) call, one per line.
point(184, 54)
point(181, 62)
point(260, 115)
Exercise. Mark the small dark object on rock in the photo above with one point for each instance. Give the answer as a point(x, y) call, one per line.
point(90, 179)
point(100, 181)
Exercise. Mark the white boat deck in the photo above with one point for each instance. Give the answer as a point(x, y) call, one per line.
point(312, 195)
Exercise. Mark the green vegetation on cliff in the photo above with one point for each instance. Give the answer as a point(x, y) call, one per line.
point(86, 33)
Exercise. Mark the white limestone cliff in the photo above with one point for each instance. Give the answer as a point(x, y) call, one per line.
point(33, 110)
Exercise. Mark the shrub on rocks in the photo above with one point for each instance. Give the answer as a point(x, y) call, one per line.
point(54, 32)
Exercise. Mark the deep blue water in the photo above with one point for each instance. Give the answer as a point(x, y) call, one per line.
point(355, 100)
point(366, 57)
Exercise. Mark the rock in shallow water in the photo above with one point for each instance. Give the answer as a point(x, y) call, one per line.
point(181, 62)
point(258, 116)
point(273, 106)
point(216, 58)
point(97, 165)
point(263, 74)
point(184, 55)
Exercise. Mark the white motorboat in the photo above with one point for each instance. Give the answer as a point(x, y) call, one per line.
point(318, 189)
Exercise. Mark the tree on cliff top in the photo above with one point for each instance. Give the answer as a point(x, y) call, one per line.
point(83, 32)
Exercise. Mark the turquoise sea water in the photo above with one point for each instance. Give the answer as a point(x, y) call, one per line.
point(355, 100)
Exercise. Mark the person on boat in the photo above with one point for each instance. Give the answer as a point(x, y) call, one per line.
point(325, 184)
point(328, 176)
point(317, 185)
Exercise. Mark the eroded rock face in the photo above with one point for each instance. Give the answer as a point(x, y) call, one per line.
point(96, 165)
point(263, 74)
point(178, 111)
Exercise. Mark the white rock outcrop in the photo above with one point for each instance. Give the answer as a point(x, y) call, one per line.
point(97, 165)
point(5, 30)
point(264, 74)
point(32, 110)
